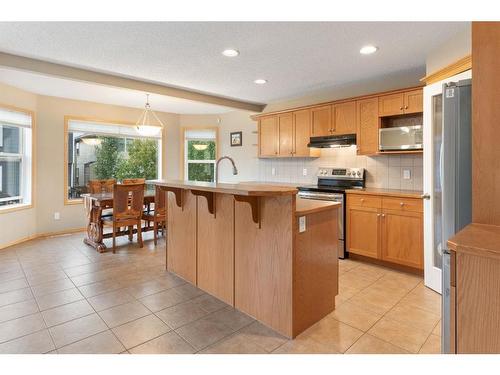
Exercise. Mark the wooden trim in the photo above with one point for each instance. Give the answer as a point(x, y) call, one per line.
point(332, 102)
point(67, 119)
point(79, 74)
point(33, 158)
point(183, 138)
point(465, 63)
point(42, 235)
point(210, 196)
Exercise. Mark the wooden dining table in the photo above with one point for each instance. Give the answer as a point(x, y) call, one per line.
point(94, 205)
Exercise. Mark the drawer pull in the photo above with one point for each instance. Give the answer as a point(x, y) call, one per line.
point(402, 204)
point(362, 199)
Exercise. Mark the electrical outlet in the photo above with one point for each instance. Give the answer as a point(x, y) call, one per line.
point(406, 174)
point(57, 216)
point(273, 171)
point(302, 224)
point(304, 171)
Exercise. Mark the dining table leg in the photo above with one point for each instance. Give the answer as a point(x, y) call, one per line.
point(94, 236)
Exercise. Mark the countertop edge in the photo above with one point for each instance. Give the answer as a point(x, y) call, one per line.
point(477, 239)
point(386, 192)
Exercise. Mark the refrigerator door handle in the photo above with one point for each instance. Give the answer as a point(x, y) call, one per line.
point(441, 157)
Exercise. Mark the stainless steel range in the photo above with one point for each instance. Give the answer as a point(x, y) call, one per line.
point(332, 183)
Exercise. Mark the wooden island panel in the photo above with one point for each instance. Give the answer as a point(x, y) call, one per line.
point(315, 275)
point(216, 247)
point(181, 243)
point(264, 260)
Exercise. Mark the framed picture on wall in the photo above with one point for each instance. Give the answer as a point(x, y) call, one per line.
point(236, 139)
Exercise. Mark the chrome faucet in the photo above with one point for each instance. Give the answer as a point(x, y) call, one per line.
point(235, 170)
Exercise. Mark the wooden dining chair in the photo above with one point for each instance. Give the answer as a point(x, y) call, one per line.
point(159, 214)
point(101, 186)
point(128, 200)
point(134, 181)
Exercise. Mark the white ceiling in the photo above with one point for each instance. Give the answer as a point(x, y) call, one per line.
point(65, 88)
point(296, 58)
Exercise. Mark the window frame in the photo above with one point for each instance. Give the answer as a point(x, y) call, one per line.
point(183, 149)
point(22, 155)
point(100, 121)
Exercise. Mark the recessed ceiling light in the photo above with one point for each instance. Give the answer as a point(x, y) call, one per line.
point(368, 50)
point(260, 81)
point(230, 52)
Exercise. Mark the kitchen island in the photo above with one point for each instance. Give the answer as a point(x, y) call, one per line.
point(243, 244)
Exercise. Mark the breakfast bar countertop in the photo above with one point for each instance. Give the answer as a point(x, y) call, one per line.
point(249, 189)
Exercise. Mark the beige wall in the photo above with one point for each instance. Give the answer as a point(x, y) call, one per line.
point(458, 46)
point(49, 167)
point(18, 224)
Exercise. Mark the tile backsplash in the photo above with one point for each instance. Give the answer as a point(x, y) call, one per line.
point(382, 171)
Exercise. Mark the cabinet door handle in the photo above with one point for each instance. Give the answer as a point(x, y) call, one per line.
point(378, 215)
point(400, 108)
point(406, 107)
point(383, 215)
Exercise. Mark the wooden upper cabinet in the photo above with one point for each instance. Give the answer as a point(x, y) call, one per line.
point(285, 135)
point(390, 105)
point(268, 136)
point(413, 101)
point(367, 126)
point(321, 121)
point(344, 118)
point(302, 128)
point(402, 238)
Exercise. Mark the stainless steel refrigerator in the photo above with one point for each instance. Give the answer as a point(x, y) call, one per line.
point(455, 169)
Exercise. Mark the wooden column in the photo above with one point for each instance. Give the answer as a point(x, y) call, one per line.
point(486, 122)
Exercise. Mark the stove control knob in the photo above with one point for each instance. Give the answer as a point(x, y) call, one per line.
point(358, 173)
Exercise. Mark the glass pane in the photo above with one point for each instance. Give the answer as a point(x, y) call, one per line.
point(10, 139)
point(10, 181)
point(200, 150)
point(437, 124)
point(101, 157)
point(201, 172)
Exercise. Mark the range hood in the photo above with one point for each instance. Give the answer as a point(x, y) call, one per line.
point(332, 141)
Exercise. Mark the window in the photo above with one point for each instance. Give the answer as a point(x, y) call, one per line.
point(100, 150)
point(200, 150)
point(16, 147)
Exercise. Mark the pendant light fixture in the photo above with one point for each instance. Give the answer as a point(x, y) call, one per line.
point(200, 147)
point(91, 140)
point(148, 125)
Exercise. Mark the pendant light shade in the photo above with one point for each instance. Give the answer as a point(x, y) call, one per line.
point(91, 140)
point(148, 125)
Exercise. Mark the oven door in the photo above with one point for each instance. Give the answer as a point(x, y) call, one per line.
point(333, 197)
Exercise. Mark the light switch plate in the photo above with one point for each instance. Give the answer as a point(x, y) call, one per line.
point(302, 224)
point(304, 172)
point(57, 216)
point(406, 174)
point(273, 171)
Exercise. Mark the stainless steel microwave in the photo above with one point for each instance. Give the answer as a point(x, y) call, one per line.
point(401, 138)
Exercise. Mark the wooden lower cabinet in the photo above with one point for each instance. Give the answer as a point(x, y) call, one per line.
point(363, 225)
point(402, 238)
point(390, 235)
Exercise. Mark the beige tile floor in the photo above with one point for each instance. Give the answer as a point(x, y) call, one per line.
point(58, 295)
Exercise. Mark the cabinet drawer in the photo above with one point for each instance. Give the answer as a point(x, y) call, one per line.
point(362, 200)
point(402, 204)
